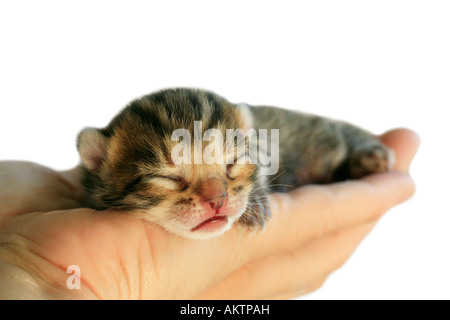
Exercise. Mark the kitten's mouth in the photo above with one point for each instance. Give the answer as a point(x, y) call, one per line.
point(211, 224)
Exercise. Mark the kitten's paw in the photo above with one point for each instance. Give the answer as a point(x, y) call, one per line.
point(371, 159)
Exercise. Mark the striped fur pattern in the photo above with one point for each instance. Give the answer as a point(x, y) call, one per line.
point(128, 165)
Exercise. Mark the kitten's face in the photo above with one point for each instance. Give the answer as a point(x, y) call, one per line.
point(130, 165)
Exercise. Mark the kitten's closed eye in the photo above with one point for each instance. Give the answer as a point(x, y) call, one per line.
point(233, 169)
point(230, 171)
point(169, 181)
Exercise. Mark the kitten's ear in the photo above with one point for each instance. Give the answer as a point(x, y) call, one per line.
point(91, 144)
point(246, 116)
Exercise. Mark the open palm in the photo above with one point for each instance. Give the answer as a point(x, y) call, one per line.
point(313, 231)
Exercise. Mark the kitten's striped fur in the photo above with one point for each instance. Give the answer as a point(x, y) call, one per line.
point(128, 164)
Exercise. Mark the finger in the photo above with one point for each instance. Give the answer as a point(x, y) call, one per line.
point(29, 187)
point(294, 271)
point(405, 143)
point(313, 211)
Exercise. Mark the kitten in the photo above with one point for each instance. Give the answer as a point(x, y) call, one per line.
point(132, 163)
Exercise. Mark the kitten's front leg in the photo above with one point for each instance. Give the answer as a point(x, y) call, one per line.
point(258, 209)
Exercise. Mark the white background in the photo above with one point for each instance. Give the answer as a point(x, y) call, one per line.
point(379, 64)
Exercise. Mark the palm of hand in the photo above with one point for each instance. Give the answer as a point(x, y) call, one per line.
point(45, 231)
point(118, 255)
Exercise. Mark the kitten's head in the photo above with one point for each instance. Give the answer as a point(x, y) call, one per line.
point(153, 160)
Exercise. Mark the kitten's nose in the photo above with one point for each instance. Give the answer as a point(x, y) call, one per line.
point(213, 192)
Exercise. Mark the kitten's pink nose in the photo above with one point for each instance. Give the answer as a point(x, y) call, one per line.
point(213, 192)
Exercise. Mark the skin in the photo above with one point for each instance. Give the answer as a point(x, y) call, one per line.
point(313, 231)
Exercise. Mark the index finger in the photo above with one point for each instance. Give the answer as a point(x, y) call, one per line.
point(405, 143)
point(314, 211)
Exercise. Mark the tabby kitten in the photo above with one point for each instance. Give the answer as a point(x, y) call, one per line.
point(134, 164)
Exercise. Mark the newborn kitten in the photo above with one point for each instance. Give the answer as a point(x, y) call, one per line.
point(134, 163)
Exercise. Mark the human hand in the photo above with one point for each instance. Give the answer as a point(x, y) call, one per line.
point(313, 231)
